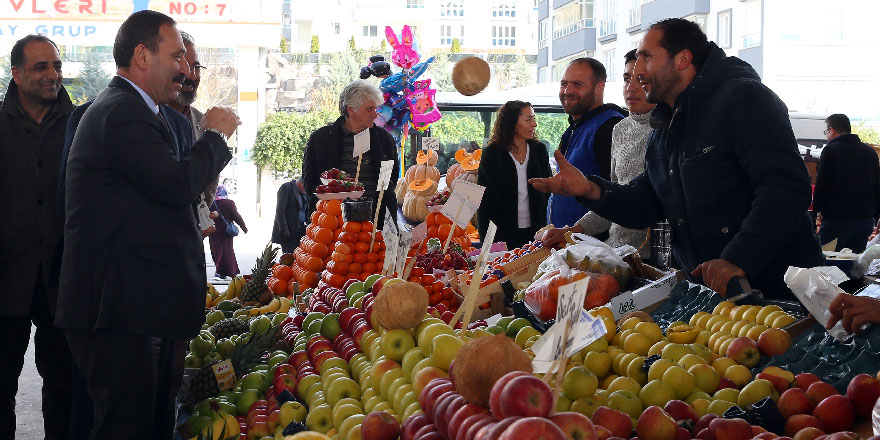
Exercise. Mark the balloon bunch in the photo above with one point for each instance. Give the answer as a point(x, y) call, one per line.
point(408, 103)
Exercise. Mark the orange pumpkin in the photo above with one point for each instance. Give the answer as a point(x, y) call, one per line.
point(453, 172)
point(422, 172)
point(429, 157)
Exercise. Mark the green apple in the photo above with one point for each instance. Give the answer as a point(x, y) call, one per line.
point(214, 317)
point(396, 343)
point(320, 419)
point(246, 399)
point(260, 325)
point(406, 399)
point(370, 404)
point(330, 326)
point(494, 329)
point(563, 403)
point(356, 358)
point(503, 322)
point(313, 316)
point(342, 388)
point(697, 394)
point(347, 424)
point(410, 359)
point(335, 362)
point(375, 350)
point(342, 412)
point(354, 288)
point(444, 347)
point(305, 383)
point(212, 356)
point(412, 410)
point(626, 401)
point(586, 405)
point(314, 327)
point(228, 408)
point(327, 379)
point(514, 327)
point(524, 334)
point(719, 407)
point(366, 394)
point(370, 280)
point(254, 381)
point(192, 361)
point(656, 393)
point(579, 382)
point(354, 433)
point(292, 411)
point(424, 340)
point(276, 360)
point(383, 406)
point(424, 363)
point(386, 379)
point(393, 387)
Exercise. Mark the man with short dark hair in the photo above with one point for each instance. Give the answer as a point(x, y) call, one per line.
point(722, 165)
point(586, 143)
point(32, 121)
point(847, 193)
point(133, 269)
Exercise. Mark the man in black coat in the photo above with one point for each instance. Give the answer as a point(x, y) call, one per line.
point(133, 268)
point(290, 215)
point(32, 121)
point(847, 194)
point(331, 146)
point(722, 165)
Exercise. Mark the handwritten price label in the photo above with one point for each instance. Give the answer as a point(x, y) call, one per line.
point(225, 374)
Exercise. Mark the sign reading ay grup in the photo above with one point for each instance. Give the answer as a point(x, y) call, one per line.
point(463, 202)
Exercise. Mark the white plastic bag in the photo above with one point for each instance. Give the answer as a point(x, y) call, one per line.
point(863, 265)
point(815, 289)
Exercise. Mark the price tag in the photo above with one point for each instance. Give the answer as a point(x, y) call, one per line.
point(430, 143)
point(584, 332)
point(571, 300)
point(361, 143)
point(463, 202)
point(385, 174)
point(404, 242)
point(420, 232)
point(389, 233)
point(225, 374)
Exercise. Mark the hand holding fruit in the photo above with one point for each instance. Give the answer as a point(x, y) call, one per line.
point(717, 273)
point(853, 311)
point(569, 181)
point(556, 236)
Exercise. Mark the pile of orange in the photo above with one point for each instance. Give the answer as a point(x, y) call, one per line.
point(313, 252)
point(438, 292)
point(439, 226)
point(281, 281)
point(351, 257)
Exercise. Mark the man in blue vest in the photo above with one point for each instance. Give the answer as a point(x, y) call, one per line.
point(586, 143)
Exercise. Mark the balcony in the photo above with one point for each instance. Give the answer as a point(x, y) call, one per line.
point(563, 31)
point(751, 40)
point(607, 29)
point(579, 40)
point(659, 9)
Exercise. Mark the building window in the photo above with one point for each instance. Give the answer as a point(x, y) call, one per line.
point(503, 8)
point(608, 23)
point(335, 28)
point(370, 31)
point(504, 35)
point(413, 4)
point(725, 30)
point(635, 13)
point(609, 59)
point(559, 67)
point(451, 32)
point(543, 33)
point(572, 17)
point(285, 20)
point(452, 8)
point(752, 34)
point(699, 19)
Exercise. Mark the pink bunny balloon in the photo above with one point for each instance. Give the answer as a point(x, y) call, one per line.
point(403, 54)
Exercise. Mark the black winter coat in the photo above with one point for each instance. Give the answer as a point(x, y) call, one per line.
point(497, 173)
point(324, 151)
point(30, 156)
point(725, 171)
point(848, 180)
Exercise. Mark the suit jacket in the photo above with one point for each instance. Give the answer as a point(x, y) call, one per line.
point(133, 257)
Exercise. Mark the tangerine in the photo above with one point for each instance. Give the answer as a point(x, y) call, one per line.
point(365, 237)
point(321, 207)
point(430, 219)
point(309, 279)
point(369, 267)
point(348, 237)
point(362, 247)
point(366, 226)
point(372, 257)
point(323, 235)
point(443, 231)
point(318, 249)
point(315, 216)
point(360, 258)
point(355, 267)
point(337, 281)
point(328, 221)
point(342, 248)
point(348, 258)
point(432, 231)
point(282, 272)
point(351, 226)
point(442, 220)
point(351, 276)
point(333, 207)
point(314, 264)
point(363, 276)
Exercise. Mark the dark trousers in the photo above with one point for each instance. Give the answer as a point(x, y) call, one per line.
point(52, 358)
point(850, 233)
point(132, 380)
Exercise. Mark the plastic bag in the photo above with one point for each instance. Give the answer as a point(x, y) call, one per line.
point(815, 290)
point(592, 255)
point(863, 264)
point(541, 296)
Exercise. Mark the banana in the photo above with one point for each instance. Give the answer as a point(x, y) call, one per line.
point(285, 305)
point(682, 334)
point(208, 301)
point(269, 308)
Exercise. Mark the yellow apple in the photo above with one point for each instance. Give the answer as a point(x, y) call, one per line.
point(755, 391)
point(586, 405)
point(637, 343)
point(649, 329)
point(624, 383)
point(636, 370)
point(657, 348)
point(705, 377)
point(625, 401)
point(656, 393)
point(766, 310)
point(689, 360)
point(680, 380)
point(701, 406)
point(655, 372)
point(718, 407)
point(739, 374)
point(728, 394)
point(598, 362)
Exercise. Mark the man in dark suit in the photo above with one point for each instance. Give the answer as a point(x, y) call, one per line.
point(133, 265)
point(32, 120)
point(290, 215)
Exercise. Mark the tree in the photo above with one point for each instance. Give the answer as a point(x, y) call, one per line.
point(441, 72)
point(283, 45)
point(316, 47)
point(383, 46)
point(456, 46)
point(550, 129)
point(868, 135)
point(351, 44)
point(523, 72)
point(281, 140)
point(455, 128)
point(92, 80)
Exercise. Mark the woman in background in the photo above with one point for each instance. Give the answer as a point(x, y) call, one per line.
point(225, 264)
point(513, 156)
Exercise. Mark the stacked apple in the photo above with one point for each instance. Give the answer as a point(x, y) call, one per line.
point(729, 321)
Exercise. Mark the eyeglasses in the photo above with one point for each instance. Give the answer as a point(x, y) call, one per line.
point(197, 68)
point(826, 131)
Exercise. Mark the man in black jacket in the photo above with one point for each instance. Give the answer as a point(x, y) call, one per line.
point(290, 215)
point(32, 121)
point(133, 268)
point(847, 194)
point(331, 146)
point(722, 165)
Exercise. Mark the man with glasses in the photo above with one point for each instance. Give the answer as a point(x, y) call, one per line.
point(847, 194)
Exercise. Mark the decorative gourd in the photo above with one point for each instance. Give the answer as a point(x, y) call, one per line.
point(414, 208)
point(467, 176)
point(422, 172)
point(453, 172)
point(468, 164)
point(429, 157)
point(401, 189)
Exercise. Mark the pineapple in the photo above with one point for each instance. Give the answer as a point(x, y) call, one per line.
point(256, 287)
point(243, 358)
point(228, 327)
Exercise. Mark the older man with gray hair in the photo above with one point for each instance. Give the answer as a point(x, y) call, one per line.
point(332, 146)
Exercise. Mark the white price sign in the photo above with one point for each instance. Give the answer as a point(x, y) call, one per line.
point(420, 232)
point(584, 332)
point(463, 202)
point(430, 143)
point(385, 174)
point(361, 143)
point(403, 244)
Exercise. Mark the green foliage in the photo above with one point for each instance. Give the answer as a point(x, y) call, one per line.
point(351, 44)
point(455, 129)
point(316, 46)
point(456, 46)
point(383, 46)
point(550, 129)
point(92, 80)
point(441, 72)
point(868, 134)
point(281, 140)
point(4, 80)
point(283, 45)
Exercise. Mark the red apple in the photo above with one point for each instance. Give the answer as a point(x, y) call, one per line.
point(836, 413)
point(283, 369)
point(804, 380)
point(618, 423)
point(298, 320)
point(730, 429)
point(496, 429)
point(819, 390)
point(379, 425)
point(863, 391)
point(456, 421)
point(440, 408)
point(428, 399)
point(682, 434)
point(766, 436)
point(744, 351)
point(274, 419)
point(808, 433)
point(472, 431)
point(497, 388)
point(794, 401)
point(703, 422)
point(800, 421)
point(537, 428)
point(844, 435)
point(680, 410)
point(433, 435)
point(298, 359)
point(527, 396)
point(442, 419)
point(704, 434)
point(284, 382)
point(412, 424)
point(458, 428)
point(779, 383)
point(483, 432)
point(424, 430)
point(774, 341)
point(602, 433)
point(726, 383)
point(655, 424)
point(576, 426)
